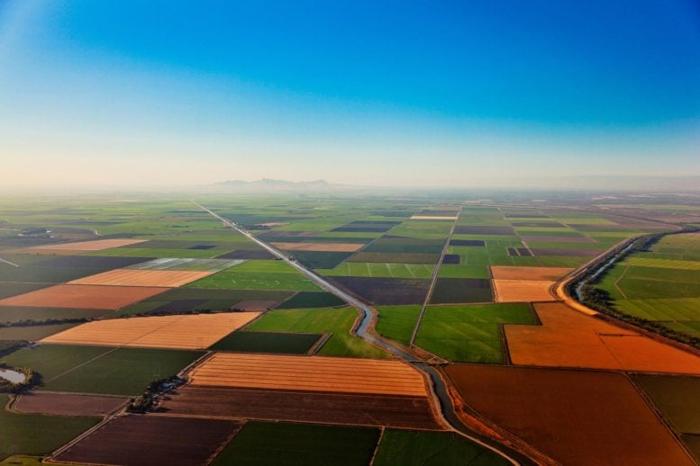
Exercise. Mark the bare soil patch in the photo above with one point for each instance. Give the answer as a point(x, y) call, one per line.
point(576, 417)
point(67, 404)
point(520, 291)
point(507, 272)
point(83, 296)
point(138, 277)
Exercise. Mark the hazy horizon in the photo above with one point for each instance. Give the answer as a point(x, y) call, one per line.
point(441, 95)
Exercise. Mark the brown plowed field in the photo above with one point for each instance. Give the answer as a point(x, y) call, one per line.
point(137, 440)
point(83, 296)
point(507, 272)
point(95, 245)
point(323, 247)
point(178, 331)
point(334, 408)
point(67, 404)
point(312, 373)
point(137, 277)
point(576, 417)
point(571, 339)
point(521, 291)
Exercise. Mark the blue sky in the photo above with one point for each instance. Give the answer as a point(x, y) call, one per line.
point(397, 93)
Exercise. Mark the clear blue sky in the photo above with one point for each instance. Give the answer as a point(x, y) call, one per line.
point(359, 92)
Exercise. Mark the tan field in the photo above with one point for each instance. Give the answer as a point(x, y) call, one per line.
point(311, 373)
point(433, 217)
point(519, 291)
point(182, 332)
point(507, 272)
point(319, 247)
point(83, 296)
point(139, 277)
point(570, 339)
point(86, 246)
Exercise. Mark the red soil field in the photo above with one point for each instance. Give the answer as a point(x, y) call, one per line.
point(86, 246)
point(576, 417)
point(508, 272)
point(138, 277)
point(335, 408)
point(83, 296)
point(67, 404)
point(137, 440)
point(310, 373)
point(571, 339)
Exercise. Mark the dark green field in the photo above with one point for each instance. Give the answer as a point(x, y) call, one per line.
point(267, 342)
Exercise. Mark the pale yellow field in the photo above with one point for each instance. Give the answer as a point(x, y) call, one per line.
point(509, 272)
point(520, 291)
point(139, 277)
point(86, 246)
point(183, 331)
point(432, 217)
point(311, 373)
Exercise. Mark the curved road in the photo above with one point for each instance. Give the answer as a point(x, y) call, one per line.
point(364, 331)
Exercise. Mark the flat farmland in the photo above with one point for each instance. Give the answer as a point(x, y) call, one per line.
point(519, 291)
point(321, 247)
point(86, 246)
point(568, 338)
point(16, 314)
point(305, 299)
point(676, 398)
point(310, 373)
point(472, 333)
point(258, 275)
point(397, 322)
point(182, 332)
point(378, 269)
point(501, 272)
point(36, 434)
point(66, 404)
point(32, 332)
point(148, 278)
point(146, 440)
point(395, 258)
point(336, 321)
point(385, 290)
point(83, 296)
point(461, 290)
point(268, 342)
point(606, 409)
point(267, 443)
point(302, 406)
point(189, 264)
point(98, 369)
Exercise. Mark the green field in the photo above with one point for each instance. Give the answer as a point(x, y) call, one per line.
point(336, 321)
point(267, 342)
point(470, 333)
point(416, 448)
point(97, 369)
point(257, 275)
point(32, 332)
point(271, 444)
point(35, 434)
point(397, 322)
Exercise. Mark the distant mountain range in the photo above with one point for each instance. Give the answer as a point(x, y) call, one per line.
point(270, 185)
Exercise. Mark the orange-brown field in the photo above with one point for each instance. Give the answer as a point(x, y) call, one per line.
point(138, 277)
point(86, 246)
point(311, 373)
point(183, 331)
point(570, 339)
point(319, 247)
point(576, 417)
point(520, 291)
point(83, 296)
point(507, 272)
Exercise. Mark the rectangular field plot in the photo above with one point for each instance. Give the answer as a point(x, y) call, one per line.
point(334, 321)
point(320, 260)
point(183, 332)
point(484, 230)
point(677, 399)
point(16, 314)
point(470, 333)
point(333, 408)
point(66, 404)
point(99, 369)
point(267, 443)
point(32, 332)
point(311, 299)
point(397, 322)
point(395, 258)
point(541, 405)
point(83, 296)
point(369, 269)
point(378, 226)
point(258, 275)
point(399, 244)
point(321, 247)
point(170, 263)
point(150, 439)
point(386, 290)
point(419, 448)
point(86, 246)
point(520, 291)
point(461, 290)
point(502, 272)
point(137, 277)
point(433, 217)
point(309, 373)
point(37, 434)
point(268, 342)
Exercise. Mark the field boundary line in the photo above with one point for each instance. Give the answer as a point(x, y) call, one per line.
point(433, 280)
point(376, 447)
